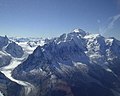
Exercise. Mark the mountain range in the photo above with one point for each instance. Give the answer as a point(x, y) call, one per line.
point(74, 64)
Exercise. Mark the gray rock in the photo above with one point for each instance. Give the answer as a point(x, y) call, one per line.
point(3, 41)
point(15, 50)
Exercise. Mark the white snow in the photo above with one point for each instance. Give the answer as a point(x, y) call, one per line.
point(82, 67)
point(1, 94)
point(92, 36)
point(9, 68)
point(76, 30)
point(97, 50)
point(26, 48)
point(7, 72)
point(109, 41)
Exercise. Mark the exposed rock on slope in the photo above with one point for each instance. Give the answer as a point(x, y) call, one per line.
point(3, 41)
point(4, 59)
point(15, 50)
point(9, 88)
point(74, 64)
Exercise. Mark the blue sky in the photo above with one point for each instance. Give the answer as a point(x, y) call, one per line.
point(49, 18)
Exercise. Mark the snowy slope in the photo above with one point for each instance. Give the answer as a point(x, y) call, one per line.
point(11, 55)
point(78, 61)
point(8, 87)
point(28, 44)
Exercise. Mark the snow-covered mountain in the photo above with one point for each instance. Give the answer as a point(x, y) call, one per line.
point(14, 49)
point(28, 44)
point(3, 41)
point(31, 42)
point(24, 39)
point(12, 54)
point(9, 47)
point(74, 64)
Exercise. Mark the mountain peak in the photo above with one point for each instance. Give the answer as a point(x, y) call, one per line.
point(79, 31)
point(75, 58)
point(3, 41)
point(38, 52)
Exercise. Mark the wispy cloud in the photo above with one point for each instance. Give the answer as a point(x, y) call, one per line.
point(112, 21)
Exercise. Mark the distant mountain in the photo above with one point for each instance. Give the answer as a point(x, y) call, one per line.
point(9, 50)
point(9, 47)
point(28, 44)
point(3, 41)
point(12, 54)
point(74, 64)
point(24, 39)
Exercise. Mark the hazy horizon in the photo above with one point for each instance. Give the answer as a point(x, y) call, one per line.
point(51, 18)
